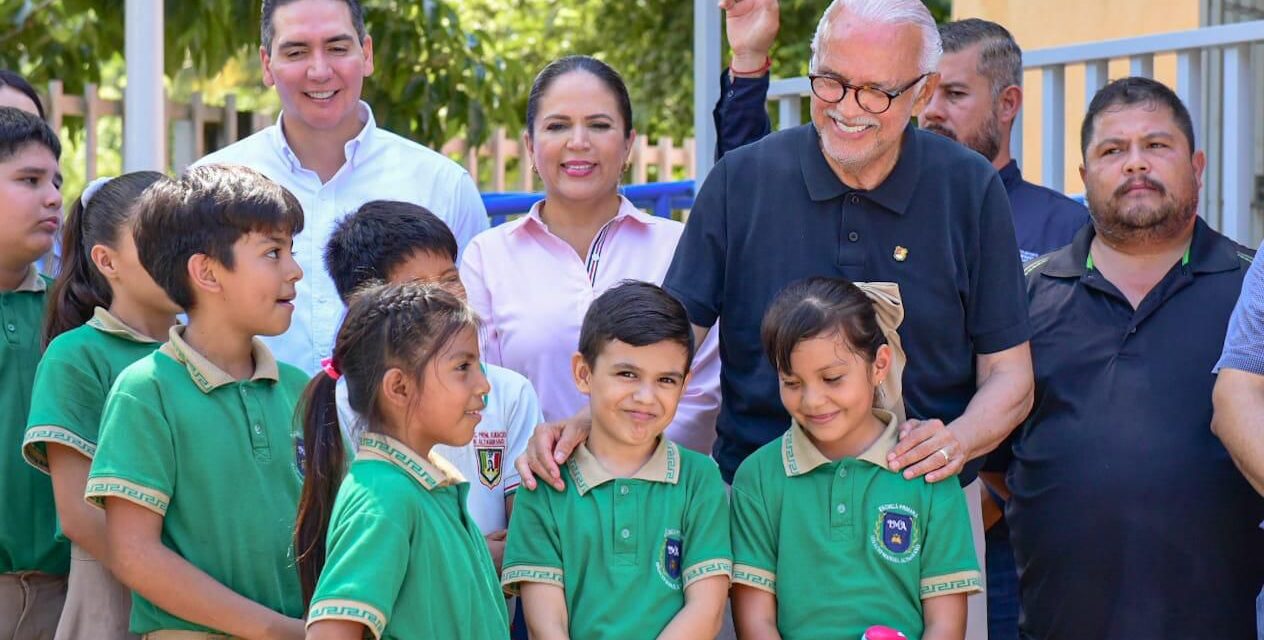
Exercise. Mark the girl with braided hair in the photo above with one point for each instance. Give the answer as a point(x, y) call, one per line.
point(395, 528)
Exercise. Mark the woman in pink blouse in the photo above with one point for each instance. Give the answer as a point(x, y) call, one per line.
point(532, 279)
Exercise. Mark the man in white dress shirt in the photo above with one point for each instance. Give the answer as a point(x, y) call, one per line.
point(327, 150)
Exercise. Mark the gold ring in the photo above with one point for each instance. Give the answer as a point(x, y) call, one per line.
point(947, 458)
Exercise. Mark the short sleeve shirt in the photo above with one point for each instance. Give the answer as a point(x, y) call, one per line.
point(379, 165)
point(773, 212)
point(216, 458)
point(405, 559)
point(71, 384)
point(509, 417)
point(847, 544)
point(1244, 341)
point(532, 289)
point(1118, 481)
point(623, 549)
point(28, 525)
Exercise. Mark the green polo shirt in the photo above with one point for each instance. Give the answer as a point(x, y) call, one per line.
point(847, 544)
point(405, 559)
point(215, 457)
point(28, 527)
point(72, 381)
point(623, 549)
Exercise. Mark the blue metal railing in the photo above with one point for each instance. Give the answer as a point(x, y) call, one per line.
point(660, 198)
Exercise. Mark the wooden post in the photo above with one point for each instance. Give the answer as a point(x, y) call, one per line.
point(691, 160)
point(640, 163)
point(498, 159)
point(665, 159)
point(230, 120)
point(54, 108)
point(525, 167)
point(90, 113)
point(197, 115)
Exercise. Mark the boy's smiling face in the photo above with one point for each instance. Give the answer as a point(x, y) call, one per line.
point(259, 289)
point(633, 391)
point(30, 205)
point(428, 267)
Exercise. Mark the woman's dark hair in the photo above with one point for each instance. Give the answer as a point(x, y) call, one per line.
point(816, 307)
point(79, 287)
point(11, 79)
point(389, 326)
point(562, 66)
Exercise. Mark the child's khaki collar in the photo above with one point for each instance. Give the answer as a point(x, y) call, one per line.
point(799, 455)
point(588, 474)
point(204, 373)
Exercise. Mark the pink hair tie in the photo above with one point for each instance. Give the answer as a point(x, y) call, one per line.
point(330, 370)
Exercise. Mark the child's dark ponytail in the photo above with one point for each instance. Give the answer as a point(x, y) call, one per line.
point(324, 464)
point(388, 326)
point(79, 287)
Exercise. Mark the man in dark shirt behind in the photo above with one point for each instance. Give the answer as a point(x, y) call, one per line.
point(1128, 517)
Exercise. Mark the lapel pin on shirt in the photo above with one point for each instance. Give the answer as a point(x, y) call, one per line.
point(900, 254)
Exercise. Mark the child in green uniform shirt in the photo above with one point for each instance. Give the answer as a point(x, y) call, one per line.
point(637, 546)
point(105, 313)
point(396, 551)
point(196, 465)
point(33, 563)
point(827, 541)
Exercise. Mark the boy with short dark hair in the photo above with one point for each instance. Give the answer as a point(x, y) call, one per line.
point(196, 465)
point(637, 545)
point(33, 563)
point(390, 241)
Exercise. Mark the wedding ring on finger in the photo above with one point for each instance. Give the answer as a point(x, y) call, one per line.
point(947, 458)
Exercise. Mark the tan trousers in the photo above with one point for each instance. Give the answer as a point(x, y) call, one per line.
point(186, 635)
point(976, 603)
point(30, 604)
point(97, 605)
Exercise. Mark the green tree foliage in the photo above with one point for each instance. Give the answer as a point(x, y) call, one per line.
point(435, 78)
point(444, 68)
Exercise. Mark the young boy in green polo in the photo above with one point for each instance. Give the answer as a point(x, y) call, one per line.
point(637, 546)
point(33, 562)
point(196, 463)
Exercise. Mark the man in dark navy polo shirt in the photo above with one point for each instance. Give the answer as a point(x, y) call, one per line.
point(977, 101)
point(1128, 517)
point(869, 199)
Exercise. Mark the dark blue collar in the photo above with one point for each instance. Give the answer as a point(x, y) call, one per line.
point(1011, 175)
point(1209, 252)
point(894, 194)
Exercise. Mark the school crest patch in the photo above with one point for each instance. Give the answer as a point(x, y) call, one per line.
point(671, 555)
point(897, 534)
point(489, 446)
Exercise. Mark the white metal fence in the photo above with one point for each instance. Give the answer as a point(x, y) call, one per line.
point(1215, 77)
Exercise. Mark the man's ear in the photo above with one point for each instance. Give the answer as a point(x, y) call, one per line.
point(1008, 104)
point(204, 273)
point(367, 47)
point(582, 373)
point(265, 62)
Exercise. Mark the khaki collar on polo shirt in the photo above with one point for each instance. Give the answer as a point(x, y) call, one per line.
point(205, 374)
point(663, 466)
point(799, 455)
point(33, 282)
point(431, 472)
point(106, 322)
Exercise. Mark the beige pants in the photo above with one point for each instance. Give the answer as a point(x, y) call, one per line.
point(185, 635)
point(97, 605)
point(976, 603)
point(30, 604)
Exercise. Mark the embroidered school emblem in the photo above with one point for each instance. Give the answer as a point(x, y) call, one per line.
point(490, 449)
point(896, 534)
point(670, 556)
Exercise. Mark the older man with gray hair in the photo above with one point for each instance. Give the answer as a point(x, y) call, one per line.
point(862, 194)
